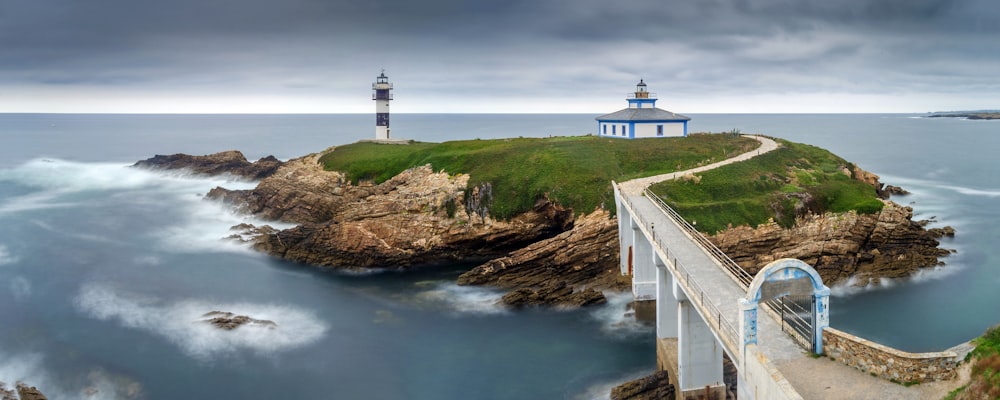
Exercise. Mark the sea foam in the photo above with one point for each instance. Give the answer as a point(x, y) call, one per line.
point(615, 319)
point(464, 300)
point(97, 384)
point(181, 324)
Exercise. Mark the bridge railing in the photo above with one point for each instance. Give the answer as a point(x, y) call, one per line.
point(788, 313)
point(741, 276)
point(714, 316)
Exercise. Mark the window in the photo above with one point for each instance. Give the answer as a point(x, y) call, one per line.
point(624, 132)
point(605, 129)
point(659, 130)
point(613, 129)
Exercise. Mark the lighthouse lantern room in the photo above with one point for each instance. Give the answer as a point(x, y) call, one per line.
point(382, 94)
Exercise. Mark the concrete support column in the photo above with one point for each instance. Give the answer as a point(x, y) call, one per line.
point(699, 356)
point(624, 237)
point(643, 271)
point(666, 304)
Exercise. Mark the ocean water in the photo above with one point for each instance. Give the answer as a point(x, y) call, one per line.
point(106, 270)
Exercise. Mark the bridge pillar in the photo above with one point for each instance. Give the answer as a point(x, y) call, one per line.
point(643, 270)
point(624, 239)
point(666, 303)
point(699, 357)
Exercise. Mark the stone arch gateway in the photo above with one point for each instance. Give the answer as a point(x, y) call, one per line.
point(780, 278)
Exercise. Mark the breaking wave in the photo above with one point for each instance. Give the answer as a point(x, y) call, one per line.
point(617, 320)
point(470, 300)
point(922, 275)
point(180, 322)
point(100, 385)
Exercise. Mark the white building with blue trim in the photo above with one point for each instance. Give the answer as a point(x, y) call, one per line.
point(642, 119)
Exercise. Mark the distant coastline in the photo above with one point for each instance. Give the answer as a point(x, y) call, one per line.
point(978, 115)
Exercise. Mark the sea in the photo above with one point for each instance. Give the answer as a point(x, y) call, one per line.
point(106, 270)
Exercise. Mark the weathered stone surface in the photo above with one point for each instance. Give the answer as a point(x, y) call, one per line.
point(228, 321)
point(29, 392)
point(888, 363)
point(888, 244)
point(7, 394)
point(227, 162)
point(568, 269)
point(653, 387)
point(417, 217)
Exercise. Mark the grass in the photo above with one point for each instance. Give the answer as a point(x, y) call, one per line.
point(780, 185)
point(985, 379)
point(574, 171)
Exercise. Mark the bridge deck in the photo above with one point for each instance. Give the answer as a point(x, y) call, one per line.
point(703, 278)
point(715, 294)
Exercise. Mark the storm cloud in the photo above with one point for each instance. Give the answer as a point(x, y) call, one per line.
point(547, 56)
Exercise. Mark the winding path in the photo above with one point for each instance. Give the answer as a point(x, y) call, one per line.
point(813, 378)
point(636, 186)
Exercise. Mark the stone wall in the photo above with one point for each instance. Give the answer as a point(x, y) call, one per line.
point(889, 363)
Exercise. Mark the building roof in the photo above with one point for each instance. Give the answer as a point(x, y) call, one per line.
point(642, 114)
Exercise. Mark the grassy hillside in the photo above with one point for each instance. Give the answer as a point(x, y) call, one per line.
point(984, 381)
point(574, 171)
point(779, 185)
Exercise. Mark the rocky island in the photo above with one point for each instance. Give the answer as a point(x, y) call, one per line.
point(975, 115)
point(550, 241)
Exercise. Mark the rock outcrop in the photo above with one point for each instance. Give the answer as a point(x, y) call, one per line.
point(417, 217)
point(228, 321)
point(227, 162)
point(20, 391)
point(569, 269)
point(653, 387)
point(888, 244)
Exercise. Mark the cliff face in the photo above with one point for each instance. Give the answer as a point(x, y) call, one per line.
point(887, 244)
point(545, 256)
point(419, 216)
point(568, 269)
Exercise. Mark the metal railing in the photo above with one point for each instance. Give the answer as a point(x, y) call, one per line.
point(696, 294)
point(741, 276)
point(787, 313)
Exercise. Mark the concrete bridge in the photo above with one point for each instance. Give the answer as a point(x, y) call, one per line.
point(707, 308)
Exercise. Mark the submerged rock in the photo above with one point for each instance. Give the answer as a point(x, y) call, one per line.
point(229, 321)
point(653, 387)
point(227, 162)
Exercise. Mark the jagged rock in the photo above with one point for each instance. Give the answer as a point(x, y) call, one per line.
point(7, 394)
point(29, 392)
point(227, 162)
point(568, 269)
point(414, 218)
point(888, 244)
point(941, 232)
point(653, 387)
point(229, 321)
point(249, 233)
point(893, 191)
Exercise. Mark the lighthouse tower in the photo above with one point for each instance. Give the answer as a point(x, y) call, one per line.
point(382, 94)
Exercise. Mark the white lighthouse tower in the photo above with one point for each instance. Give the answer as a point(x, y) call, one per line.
point(382, 94)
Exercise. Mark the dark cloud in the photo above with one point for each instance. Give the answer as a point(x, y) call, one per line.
point(580, 48)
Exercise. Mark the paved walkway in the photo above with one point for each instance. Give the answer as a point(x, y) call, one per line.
point(813, 378)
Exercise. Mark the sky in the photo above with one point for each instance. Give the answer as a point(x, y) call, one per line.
point(544, 56)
